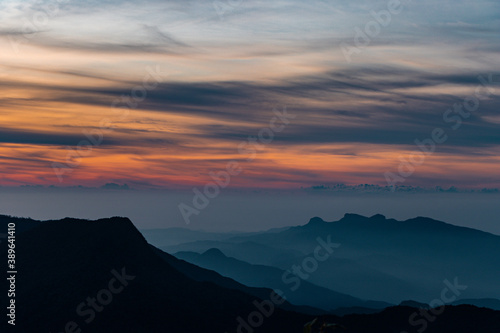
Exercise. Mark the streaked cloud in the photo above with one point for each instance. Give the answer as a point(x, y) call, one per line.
point(221, 79)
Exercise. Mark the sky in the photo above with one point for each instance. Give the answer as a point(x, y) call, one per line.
point(165, 94)
point(242, 210)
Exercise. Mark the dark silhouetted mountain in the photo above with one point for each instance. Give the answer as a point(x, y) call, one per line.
point(266, 276)
point(491, 303)
point(415, 304)
point(22, 224)
point(463, 318)
point(64, 264)
point(104, 272)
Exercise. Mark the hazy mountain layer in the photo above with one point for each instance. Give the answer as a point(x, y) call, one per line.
point(378, 258)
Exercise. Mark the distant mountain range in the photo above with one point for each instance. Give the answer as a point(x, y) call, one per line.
point(205, 275)
point(396, 188)
point(400, 259)
point(102, 276)
point(271, 277)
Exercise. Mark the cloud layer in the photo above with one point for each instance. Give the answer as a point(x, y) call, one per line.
point(168, 91)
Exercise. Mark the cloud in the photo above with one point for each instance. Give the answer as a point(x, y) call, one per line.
point(9, 135)
point(225, 76)
point(355, 107)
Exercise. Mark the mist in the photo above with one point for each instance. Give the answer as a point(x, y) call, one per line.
point(248, 210)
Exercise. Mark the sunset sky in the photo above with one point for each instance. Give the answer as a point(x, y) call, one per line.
point(158, 94)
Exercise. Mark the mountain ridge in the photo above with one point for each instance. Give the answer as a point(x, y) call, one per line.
point(66, 261)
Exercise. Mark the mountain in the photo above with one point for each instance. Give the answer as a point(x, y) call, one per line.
point(402, 319)
point(201, 274)
point(245, 250)
point(102, 276)
point(266, 276)
point(403, 260)
point(490, 303)
point(174, 236)
point(415, 304)
point(22, 224)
